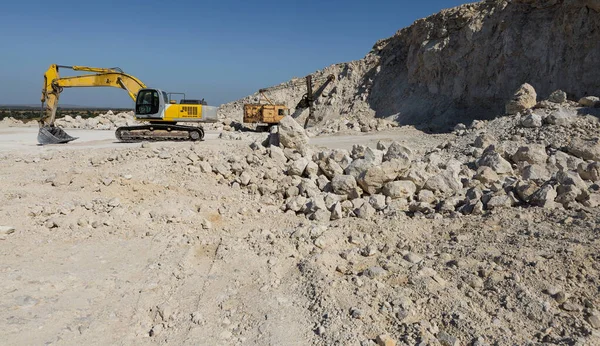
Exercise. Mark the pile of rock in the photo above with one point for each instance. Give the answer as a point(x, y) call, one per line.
point(12, 122)
point(108, 121)
point(349, 126)
point(484, 174)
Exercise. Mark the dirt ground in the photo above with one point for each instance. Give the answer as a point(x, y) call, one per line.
point(132, 244)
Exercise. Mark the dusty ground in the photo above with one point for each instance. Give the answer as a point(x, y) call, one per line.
point(124, 244)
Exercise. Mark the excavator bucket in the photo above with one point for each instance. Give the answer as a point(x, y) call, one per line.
point(53, 135)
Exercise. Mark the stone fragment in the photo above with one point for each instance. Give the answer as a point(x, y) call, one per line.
point(486, 175)
point(374, 156)
point(337, 211)
point(571, 178)
point(567, 194)
point(544, 197)
point(495, 161)
point(484, 140)
point(372, 180)
point(311, 170)
point(589, 170)
point(585, 149)
point(366, 211)
point(532, 120)
point(297, 167)
point(205, 167)
point(524, 98)
point(559, 117)
point(399, 189)
point(564, 161)
point(395, 168)
point(532, 154)
point(377, 202)
point(594, 320)
point(245, 178)
point(374, 272)
point(330, 168)
point(447, 340)
point(497, 202)
point(7, 230)
point(537, 173)
point(276, 153)
point(321, 242)
point(345, 185)
point(413, 258)
point(558, 96)
point(292, 135)
point(358, 151)
point(446, 182)
point(357, 167)
point(589, 101)
point(525, 190)
point(385, 340)
point(398, 151)
point(426, 196)
point(296, 203)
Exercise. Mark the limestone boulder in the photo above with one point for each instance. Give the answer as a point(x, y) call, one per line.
point(524, 98)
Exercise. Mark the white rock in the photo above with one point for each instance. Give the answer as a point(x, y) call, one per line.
point(496, 162)
point(544, 196)
point(532, 120)
point(534, 153)
point(292, 135)
point(399, 189)
point(589, 101)
point(345, 185)
point(377, 202)
point(558, 96)
point(6, 230)
point(524, 98)
point(297, 167)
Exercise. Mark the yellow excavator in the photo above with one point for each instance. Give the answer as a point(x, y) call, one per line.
point(153, 106)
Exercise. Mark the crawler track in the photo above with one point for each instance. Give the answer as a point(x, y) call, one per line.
point(159, 132)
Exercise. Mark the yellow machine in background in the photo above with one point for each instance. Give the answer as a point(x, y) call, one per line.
point(264, 115)
point(269, 114)
point(152, 105)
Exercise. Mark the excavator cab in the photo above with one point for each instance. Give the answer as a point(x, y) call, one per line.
point(150, 104)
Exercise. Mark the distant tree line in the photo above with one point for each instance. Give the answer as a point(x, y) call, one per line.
point(30, 114)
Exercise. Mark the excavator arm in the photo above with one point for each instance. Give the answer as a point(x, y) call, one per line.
point(101, 77)
point(54, 85)
point(309, 98)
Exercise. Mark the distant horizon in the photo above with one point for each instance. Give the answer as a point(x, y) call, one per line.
point(63, 106)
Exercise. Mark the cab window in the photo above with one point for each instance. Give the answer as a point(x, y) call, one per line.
point(147, 102)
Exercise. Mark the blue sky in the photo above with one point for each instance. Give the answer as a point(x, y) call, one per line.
point(220, 51)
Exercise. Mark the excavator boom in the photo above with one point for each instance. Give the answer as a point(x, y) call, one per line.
point(103, 77)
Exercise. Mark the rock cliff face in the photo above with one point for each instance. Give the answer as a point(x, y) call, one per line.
point(469, 60)
point(464, 63)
